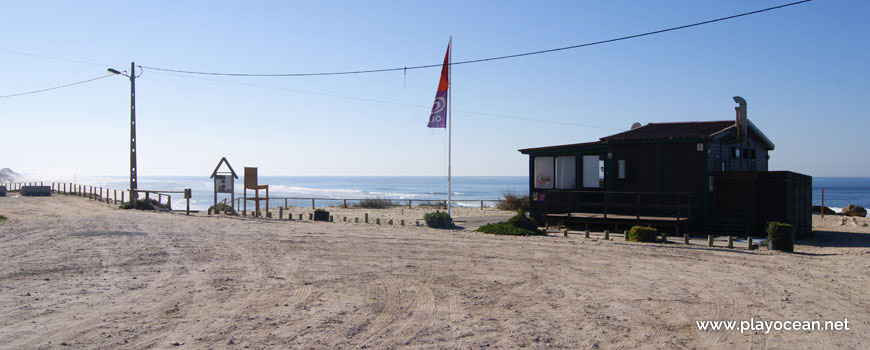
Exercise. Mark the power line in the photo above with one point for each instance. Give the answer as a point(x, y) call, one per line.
point(370, 100)
point(56, 87)
point(54, 58)
point(660, 31)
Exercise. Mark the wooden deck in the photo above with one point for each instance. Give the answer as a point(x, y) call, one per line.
point(564, 219)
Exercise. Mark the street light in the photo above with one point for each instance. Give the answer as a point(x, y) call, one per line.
point(133, 178)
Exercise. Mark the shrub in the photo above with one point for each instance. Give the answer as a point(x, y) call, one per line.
point(145, 204)
point(643, 234)
point(512, 201)
point(505, 228)
point(433, 205)
point(775, 230)
point(223, 208)
point(2, 218)
point(374, 203)
point(438, 219)
point(522, 221)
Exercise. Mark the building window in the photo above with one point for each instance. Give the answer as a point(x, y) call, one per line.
point(566, 173)
point(591, 172)
point(544, 172)
point(735, 153)
point(752, 154)
point(621, 171)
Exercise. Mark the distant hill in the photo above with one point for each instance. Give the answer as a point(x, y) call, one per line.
point(7, 175)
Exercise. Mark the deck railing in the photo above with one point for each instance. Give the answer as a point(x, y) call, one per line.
point(680, 205)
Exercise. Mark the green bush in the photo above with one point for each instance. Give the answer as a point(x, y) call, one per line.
point(2, 218)
point(438, 219)
point(145, 204)
point(643, 234)
point(512, 201)
point(775, 230)
point(522, 221)
point(375, 203)
point(505, 228)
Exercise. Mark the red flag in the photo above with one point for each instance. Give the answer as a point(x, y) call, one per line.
point(438, 116)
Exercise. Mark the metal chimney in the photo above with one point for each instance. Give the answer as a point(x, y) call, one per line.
point(741, 118)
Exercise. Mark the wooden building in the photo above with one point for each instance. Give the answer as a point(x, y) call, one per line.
point(660, 174)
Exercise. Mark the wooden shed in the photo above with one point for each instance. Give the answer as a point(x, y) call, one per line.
point(659, 174)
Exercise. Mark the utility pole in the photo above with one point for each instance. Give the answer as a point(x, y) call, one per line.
point(133, 178)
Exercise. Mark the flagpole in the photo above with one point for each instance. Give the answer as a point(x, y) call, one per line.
point(449, 116)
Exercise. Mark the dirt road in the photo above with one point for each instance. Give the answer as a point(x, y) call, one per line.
point(79, 274)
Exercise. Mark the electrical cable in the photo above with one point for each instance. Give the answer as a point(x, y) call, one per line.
point(660, 31)
point(370, 100)
point(56, 87)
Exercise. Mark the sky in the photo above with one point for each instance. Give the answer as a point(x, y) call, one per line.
point(802, 69)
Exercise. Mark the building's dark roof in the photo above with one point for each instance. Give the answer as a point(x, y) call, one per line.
point(677, 131)
point(527, 150)
point(671, 131)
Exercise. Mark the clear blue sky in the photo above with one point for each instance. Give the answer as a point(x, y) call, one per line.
point(803, 70)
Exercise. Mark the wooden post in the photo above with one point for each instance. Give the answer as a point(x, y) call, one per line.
point(169, 203)
point(565, 233)
point(281, 213)
point(664, 237)
point(625, 235)
point(686, 238)
point(310, 216)
point(330, 218)
point(730, 242)
point(749, 243)
point(587, 233)
point(160, 198)
point(187, 211)
point(122, 196)
point(378, 221)
point(367, 218)
point(147, 195)
point(285, 203)
point(312, 203)
point(409, 204)
point(606, 235)
point(481, 205)
point(402, 222)
point(345, 204)
point(823, 202)
point(709, 240)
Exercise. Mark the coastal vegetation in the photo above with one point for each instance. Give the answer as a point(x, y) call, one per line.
point(374, 203)
point(513, 201)
point(438, 219)
point(518, 225)
point(2, 218)
point(643, 234)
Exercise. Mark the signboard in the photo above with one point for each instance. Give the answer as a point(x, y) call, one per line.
point(223, 183)
point(250, 177)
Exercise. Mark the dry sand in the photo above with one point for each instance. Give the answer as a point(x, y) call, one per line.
point(80, 274)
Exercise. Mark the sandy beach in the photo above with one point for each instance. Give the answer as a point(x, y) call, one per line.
point(78, 274)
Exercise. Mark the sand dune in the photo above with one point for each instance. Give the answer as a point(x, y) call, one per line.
point(84, 274)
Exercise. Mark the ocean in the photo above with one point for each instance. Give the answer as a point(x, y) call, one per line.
point(339, 187)
point(839, 191)
point(842, 191)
